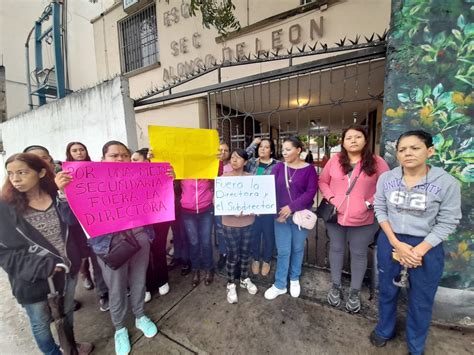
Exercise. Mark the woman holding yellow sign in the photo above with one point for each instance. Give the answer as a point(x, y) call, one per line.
point(417, 206)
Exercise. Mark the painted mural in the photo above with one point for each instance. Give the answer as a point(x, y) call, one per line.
point(429, 85)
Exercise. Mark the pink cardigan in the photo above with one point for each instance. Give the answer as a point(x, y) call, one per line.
point(353, 210)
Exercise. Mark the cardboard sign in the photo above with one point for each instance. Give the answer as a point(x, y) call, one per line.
point(192, 152)
point(111, 197)
point(234, 195)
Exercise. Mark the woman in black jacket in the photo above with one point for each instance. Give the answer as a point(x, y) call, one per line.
point(34, 238)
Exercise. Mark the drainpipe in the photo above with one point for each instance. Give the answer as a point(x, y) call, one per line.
point(28, 77)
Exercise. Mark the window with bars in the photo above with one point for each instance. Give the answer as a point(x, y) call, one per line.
point(138, 39)
point(304, 2)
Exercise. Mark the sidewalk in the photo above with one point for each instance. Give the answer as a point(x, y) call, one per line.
point(201, 321)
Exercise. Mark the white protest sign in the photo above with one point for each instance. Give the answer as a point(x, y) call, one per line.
point(244, 194)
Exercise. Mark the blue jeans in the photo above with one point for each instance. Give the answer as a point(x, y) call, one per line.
point(40, 319)
point(198, 229)
point(220, 235)
point(423, 281)
point(263, 230)
point(290, 248)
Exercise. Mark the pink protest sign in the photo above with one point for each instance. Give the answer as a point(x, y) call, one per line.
point(110, 197)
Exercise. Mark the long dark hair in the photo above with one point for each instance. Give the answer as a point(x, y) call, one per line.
point(144, 153)
point(68, 151)
point(295, 142)
point(369, 164)
point(241, 153)
point(272, 147)
point(18, 199)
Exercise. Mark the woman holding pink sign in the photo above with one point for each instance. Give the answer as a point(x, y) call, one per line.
point(129, 277)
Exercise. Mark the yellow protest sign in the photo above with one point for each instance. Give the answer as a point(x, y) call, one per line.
point(192, 152)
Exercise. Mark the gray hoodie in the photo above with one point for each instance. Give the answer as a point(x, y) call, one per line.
point(430, 210)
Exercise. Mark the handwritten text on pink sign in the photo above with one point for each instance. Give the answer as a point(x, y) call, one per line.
point(110, 197)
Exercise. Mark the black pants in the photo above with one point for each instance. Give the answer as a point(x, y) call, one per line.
point(157, 272)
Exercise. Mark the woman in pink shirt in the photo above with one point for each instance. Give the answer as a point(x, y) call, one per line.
point(356, 165)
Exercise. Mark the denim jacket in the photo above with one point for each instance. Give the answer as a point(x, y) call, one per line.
point(252, 164)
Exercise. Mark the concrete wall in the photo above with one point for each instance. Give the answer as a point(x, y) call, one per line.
point(92, 116)
point(190, 113)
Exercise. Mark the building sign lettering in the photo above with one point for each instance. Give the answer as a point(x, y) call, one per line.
point(279, 39)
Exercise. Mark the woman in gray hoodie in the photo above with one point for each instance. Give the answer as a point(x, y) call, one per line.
point(417, 206)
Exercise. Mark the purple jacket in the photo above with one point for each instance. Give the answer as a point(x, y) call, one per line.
point(303, 187)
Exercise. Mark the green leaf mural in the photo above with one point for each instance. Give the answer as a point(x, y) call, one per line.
point(429, 85)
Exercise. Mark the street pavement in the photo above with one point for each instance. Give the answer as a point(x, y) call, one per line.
point(200, 321)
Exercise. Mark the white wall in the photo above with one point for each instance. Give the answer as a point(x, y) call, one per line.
point(17, 18)
point(93, 116)
point(191, 113)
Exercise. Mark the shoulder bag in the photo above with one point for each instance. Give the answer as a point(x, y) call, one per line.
point(327, 211)
point(122, 247)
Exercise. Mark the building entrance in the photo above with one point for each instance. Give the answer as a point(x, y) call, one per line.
point(315, 103)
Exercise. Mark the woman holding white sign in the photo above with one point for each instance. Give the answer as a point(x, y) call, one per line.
point(296, 183)
point(263, 228)
point(237, 235)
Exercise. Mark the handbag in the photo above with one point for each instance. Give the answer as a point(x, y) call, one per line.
point(304, 218)
point(327, 211)
point(122, 247)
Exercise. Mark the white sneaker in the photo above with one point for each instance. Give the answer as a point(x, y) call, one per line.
point(163, 290)
point(274, 292)
point(147, 297)
point(249, 285)
point(295, 288)
point(231, 294)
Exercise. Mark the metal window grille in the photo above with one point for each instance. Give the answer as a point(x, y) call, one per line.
point(304, 2)
point(138, 39)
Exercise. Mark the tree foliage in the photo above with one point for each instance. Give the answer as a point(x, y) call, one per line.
point(216, 13)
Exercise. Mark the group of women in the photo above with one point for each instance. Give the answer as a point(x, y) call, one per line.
point(417, 206)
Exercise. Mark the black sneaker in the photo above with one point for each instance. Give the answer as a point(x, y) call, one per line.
point(353, 302)
point(186, 269)
point(334, 296)
point(77, 305)
point(104, 303)
point(174, 263)
point(222, 261)
point(376, 340)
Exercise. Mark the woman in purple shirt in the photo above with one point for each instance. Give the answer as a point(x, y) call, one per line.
point(289, 238)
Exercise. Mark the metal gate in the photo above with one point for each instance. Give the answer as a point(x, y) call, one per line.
point(313, 104)
point(313, 99)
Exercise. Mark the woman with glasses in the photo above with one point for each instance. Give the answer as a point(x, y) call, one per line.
point(417, 206)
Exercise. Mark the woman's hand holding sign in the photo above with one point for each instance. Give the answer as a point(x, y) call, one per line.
point(62, 179)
